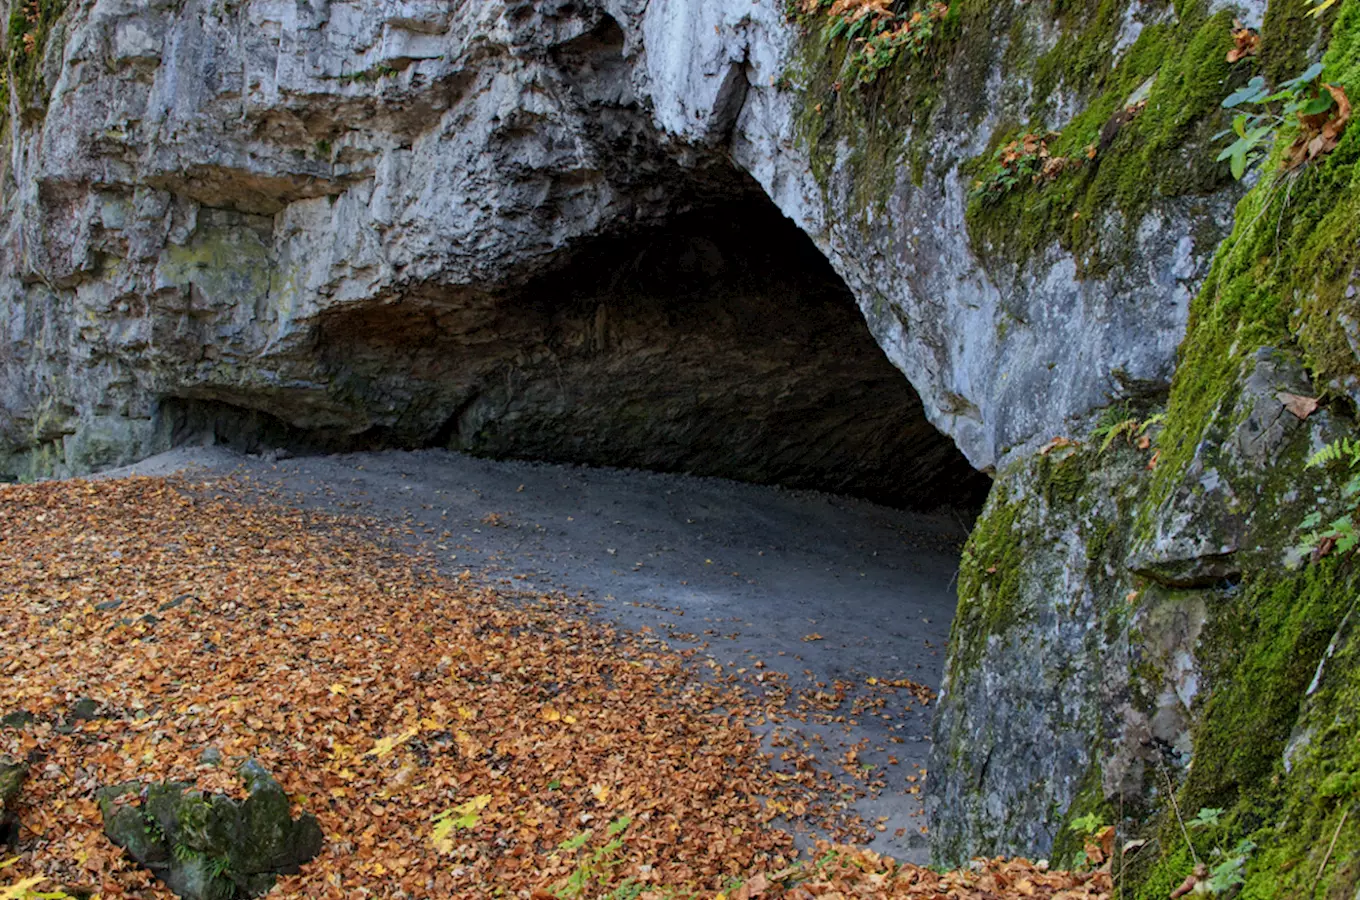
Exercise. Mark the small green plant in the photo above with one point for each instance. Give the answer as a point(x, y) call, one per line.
point(1087, 824)
point(1261, 113)
point(1341, 535)
point(1116, 423)
point(1205, 818)
point(877, 35)
point(1223, 876)
point(1228, 873)
point(594, 872)
point(372, 74)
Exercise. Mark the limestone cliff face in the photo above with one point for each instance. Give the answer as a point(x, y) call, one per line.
point(201, 194)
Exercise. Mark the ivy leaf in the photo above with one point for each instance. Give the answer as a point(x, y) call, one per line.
point(1251, 92)
point(1316, 106)
point(1306, 76)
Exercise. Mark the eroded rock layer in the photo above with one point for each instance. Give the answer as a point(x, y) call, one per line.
point(721, 344)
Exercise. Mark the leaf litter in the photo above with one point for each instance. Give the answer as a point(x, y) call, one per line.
point(453, 741)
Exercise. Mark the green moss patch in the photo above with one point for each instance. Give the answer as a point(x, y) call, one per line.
point(30, 25)
point(1145, 134)
point(1280, 279)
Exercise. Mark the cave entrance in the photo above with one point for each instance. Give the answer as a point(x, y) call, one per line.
point(720, 343)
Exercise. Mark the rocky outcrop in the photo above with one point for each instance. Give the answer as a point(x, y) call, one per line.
point(12, 778)
point(1156, 618)
point(206, 202)
point(208, 846)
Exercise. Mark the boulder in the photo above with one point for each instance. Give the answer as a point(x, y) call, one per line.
point(209, 846)
point(12, 778)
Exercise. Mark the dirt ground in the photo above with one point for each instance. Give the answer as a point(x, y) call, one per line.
point(831, 591)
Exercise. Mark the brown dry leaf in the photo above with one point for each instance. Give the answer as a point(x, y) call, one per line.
point(1246, 42)
point(1057, 443)
point(1191, 880)
point(1301, 407)
point(1319, 134)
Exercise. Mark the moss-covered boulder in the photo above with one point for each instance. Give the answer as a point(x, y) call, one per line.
point(12, 778)
point(208, 846)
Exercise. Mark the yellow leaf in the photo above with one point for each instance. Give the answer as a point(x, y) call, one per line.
point(17, 890)
point(600, 791)
point(475, 805)
point(391, 742)
point(466, 745)
point(549, 714)
point(339, 688)
point(442, 835)
point(466, 713)
point(569, 719)
point(464, 815)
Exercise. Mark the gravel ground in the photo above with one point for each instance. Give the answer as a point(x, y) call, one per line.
point(746, 574)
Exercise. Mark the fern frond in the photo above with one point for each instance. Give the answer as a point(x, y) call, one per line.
point(1338, 450)
point(1126, 428)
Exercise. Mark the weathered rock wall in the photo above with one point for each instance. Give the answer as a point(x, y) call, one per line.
point(193, 188)
point(1156, 618)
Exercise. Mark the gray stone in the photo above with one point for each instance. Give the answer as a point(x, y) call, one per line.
point(342, 230)
point(18, 719)
point(207, 846)
point(83, 710)
point(12, 778)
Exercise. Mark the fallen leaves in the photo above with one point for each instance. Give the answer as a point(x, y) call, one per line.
point(449, 739)
point(1246, 42)
point(378, 692)
point(1058, 443)
point(853, 872)
point(1320, 131)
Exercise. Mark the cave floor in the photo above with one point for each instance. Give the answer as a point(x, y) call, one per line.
point(841, 596)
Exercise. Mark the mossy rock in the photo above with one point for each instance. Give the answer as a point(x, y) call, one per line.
point(208, 846)
point(12, 778)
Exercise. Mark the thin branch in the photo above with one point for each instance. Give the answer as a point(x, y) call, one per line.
point(1331, 846)
point(1171, 793)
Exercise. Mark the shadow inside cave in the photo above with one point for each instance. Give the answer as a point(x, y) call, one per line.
point(719, 343)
